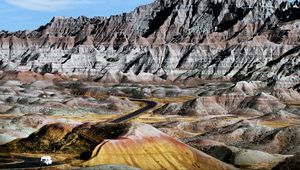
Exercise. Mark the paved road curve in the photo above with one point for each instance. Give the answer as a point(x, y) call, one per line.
point(149, 105)
point(23, 162)
point(29, 162)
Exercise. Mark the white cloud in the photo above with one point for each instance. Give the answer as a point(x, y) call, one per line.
point(46, 5)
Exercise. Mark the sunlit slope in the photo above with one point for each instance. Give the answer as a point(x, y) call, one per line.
point(147, 148)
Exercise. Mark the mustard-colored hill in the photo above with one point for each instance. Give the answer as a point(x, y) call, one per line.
point(147, 148)
point(136, 145)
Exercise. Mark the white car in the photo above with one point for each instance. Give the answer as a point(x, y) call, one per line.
point(46, 160)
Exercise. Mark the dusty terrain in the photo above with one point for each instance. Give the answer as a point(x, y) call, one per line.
point(224, 125)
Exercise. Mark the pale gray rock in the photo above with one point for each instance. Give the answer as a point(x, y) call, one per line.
point(167, 40)
point(12, 83)
point(42, 84)
point(4, 108)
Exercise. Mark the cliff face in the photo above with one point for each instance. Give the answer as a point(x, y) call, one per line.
point(170, 39)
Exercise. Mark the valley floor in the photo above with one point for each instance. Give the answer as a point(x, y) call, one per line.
point(219, 125)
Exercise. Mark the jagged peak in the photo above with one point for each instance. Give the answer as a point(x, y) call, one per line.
point(65, 18)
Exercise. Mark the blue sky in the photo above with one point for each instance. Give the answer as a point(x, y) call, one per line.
point(30, 14)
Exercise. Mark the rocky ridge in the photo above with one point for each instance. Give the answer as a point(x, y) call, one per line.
point(168, 39)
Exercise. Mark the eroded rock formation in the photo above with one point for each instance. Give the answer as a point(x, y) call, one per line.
point(167, 39)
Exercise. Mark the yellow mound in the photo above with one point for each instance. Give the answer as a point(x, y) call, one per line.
point(147, 148)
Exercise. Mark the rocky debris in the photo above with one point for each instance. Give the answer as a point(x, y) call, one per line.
point(207, 124)
point(217, 150)
point(32, 120)
point(287, 95)
point(278, 116)
point(249, 135)
point(262, 102)
point(291, 163)
point(286, 141)
point(136, 91)
point(77, 102)
point(231, 103)
point(44, 96)
point(242, 98)
point(244, 144)
point(242, 158)
point(247, 112)
point(166, 41)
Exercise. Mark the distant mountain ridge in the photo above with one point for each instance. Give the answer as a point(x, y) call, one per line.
point(167, 40)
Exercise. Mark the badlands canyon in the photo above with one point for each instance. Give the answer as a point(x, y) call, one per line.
point(174, 84)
